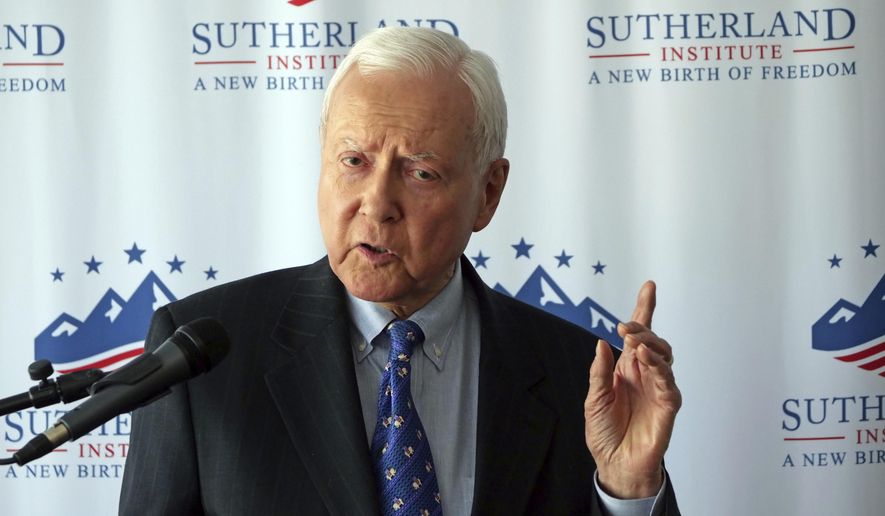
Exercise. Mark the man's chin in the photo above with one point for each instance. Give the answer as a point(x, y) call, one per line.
point(390, 285)
point(377, 289)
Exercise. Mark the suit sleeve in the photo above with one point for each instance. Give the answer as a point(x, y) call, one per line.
point(161, 474)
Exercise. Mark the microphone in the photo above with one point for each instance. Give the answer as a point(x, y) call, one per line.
point(65, 388)
point(193, 349)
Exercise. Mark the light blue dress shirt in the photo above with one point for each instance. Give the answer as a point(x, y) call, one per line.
point(445, 388)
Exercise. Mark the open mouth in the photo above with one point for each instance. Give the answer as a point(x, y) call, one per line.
point(377, 250)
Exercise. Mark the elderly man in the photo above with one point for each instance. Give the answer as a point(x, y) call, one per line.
point(387, 377)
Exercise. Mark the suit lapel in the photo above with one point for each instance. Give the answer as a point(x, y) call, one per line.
point(318, 399)
point(514, 426)
point(317, 395)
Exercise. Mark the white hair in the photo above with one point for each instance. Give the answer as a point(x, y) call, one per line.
point(424, 51)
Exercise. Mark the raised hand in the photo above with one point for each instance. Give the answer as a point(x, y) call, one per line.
point(631, 406)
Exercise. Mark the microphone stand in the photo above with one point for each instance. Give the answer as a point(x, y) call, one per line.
point(65, 388)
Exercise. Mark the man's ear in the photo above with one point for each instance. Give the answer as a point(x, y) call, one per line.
point(494, 179)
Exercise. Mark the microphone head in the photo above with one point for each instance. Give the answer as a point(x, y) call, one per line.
point(205, 343)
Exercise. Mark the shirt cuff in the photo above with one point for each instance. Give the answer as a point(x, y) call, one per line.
point(637, 507)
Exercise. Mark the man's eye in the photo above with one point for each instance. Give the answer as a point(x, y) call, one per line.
point(352, 161)
point(422, 175)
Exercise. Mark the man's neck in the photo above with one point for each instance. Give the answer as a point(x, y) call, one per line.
point(370, 318)
point(404, 310)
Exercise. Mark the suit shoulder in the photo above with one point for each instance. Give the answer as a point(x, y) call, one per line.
point(246, 294)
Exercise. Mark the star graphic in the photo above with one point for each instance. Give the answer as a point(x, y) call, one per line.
point(175, 264)
point(522, 248)
point(834, 261)
point(869, 249)
point(56, 276)
point(92, 265)
point(480, 260)
point(598, 268)
point(564, 259)
point(134, 253)
point(210, 274)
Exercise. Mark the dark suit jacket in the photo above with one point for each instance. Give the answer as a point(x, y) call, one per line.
point(277, 427)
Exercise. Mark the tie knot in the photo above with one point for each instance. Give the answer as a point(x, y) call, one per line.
point(403, 336)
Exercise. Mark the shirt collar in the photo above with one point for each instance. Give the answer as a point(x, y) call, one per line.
point(437, 320)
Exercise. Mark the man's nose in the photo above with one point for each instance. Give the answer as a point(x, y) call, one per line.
point(381, 196)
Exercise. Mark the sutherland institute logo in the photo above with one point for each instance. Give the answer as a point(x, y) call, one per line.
point(541, 291)
point(113, 332)
point(851, 333)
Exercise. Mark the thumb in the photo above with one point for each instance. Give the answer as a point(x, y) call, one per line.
point(601, 371)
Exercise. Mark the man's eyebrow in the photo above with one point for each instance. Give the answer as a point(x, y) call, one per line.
point(418, 156)
point(423, 156)
point(352, 144)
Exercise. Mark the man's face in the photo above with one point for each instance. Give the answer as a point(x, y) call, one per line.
point(399, 191)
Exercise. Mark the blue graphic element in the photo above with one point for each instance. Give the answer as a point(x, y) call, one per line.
point(113, 322)
point(480, 260)
point(599, 268)
point(175, 265)
point(846, 325)
point(522, 248)
point(834, 261)
point(541, 291)
point(869, 249)
point(56, 276)
point(92, 265)
point(134, 253)
point(210, 274)
point(564, 259)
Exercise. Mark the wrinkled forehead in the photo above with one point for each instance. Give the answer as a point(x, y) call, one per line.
point(445, 85)
point(402, 100)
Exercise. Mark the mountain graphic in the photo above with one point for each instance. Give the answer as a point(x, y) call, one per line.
point(541, 290)
point(112, 323)
point(846, 325)
point(858, 328)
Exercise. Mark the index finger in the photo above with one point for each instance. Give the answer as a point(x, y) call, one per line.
point(645, 304)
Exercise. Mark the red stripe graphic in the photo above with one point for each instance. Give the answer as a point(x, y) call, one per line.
point(835, 438)
point(603, 56)
point(33, 64)
point(798, 50)
point(866, 353)
point(222, 62)
point(106, 362)
point(875, 364)
point(57, 450)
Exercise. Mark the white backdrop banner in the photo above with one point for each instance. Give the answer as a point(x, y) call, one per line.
point(731, 151)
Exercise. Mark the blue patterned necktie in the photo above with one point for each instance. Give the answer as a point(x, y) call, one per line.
point(404, 470)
